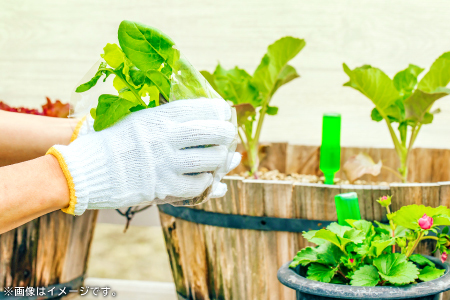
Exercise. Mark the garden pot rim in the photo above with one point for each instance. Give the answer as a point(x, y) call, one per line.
point(291, 279)
point(347, 185)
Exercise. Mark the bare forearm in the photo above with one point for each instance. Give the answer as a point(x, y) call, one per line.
point(29, 190)
point(24, 137)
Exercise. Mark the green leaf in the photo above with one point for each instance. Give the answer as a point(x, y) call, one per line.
point(365, 276)
point(91, 83)
point(377, 247)
point(356, 236)
point(319, 272)
point(286, 75)
point(438, 76)
point(113, 55)
point(309, 236)
point(147, 47)
point(406, 80)
point(363, 225)
point(421, 260)
point(304, 257)
point(272, 110)
point(234, 85)
point(395, 268)
point(375, 115)
point(159, 80)
point(329, 254)
point(271, 73)
point(420, 102)
point(352, 235)
point(111, 109)
point(340, 230)
point(374, 84)
point(211, 80)
point(408, 216)
point(188, 83)
point(430, 273)
point(430, 88)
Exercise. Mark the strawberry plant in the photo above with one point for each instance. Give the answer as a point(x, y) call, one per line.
point(404, 100)
point(367, 254)
point(251, 94)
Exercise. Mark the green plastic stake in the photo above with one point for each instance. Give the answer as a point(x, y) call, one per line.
point(330, 150)
point(347, 207)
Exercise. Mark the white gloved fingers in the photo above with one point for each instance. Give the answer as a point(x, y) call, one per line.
point(219, 190)
point(195, 160)
point(190, 186)
point(235, 161)
point(206, 132)
point(195, 109)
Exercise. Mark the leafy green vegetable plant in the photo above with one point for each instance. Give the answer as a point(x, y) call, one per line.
point(251, 94)
point(143, 67)
point(404, 100)
point(366, 254)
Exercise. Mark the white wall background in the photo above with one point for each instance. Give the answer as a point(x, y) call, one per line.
point(47, 46)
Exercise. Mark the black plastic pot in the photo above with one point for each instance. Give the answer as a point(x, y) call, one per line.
point(314, 290)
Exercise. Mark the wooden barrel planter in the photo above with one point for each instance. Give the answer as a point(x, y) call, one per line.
point(51, 251)
point(231, 248)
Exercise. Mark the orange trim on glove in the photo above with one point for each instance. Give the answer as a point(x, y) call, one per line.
point(77, 129)
point(62, 163)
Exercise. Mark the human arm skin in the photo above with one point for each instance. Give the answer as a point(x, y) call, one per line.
point(24, 137)
point(31, 189)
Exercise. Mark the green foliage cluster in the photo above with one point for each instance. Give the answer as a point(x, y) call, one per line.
point(251, 94)
point(404, 100)
point(367, 254)
point(143, 65)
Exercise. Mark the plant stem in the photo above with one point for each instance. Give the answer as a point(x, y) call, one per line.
point(342, 274)
point(401, 151)
point(132, 89)
point(397, 174)
point(393, 227)
point(408, 254)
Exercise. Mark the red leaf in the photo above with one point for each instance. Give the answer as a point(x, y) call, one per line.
point(50, 109)
point(56, 109)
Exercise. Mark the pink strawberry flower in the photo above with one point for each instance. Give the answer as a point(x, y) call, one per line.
point(443, 257)
point(425, 222)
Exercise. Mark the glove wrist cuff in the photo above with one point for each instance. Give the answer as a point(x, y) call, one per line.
point(62, 163)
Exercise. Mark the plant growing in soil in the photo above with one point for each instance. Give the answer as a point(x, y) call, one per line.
point(251, 94)
point(366, 254)
point(404, 100)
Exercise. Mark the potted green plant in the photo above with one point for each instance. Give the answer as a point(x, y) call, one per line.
point(218, 249)
point(365, 260)
point(251, 94)
point(403, 100)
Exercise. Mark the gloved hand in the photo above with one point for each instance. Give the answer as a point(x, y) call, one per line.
point(144, 157)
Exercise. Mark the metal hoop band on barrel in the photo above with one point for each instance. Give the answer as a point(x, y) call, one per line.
point(242, 221)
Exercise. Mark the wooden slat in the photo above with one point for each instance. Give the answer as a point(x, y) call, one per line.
point(48, 250)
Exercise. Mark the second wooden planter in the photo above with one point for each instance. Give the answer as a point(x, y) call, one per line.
point(231, 248)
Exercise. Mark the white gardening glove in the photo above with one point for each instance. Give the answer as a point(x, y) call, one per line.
point(144, 157)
